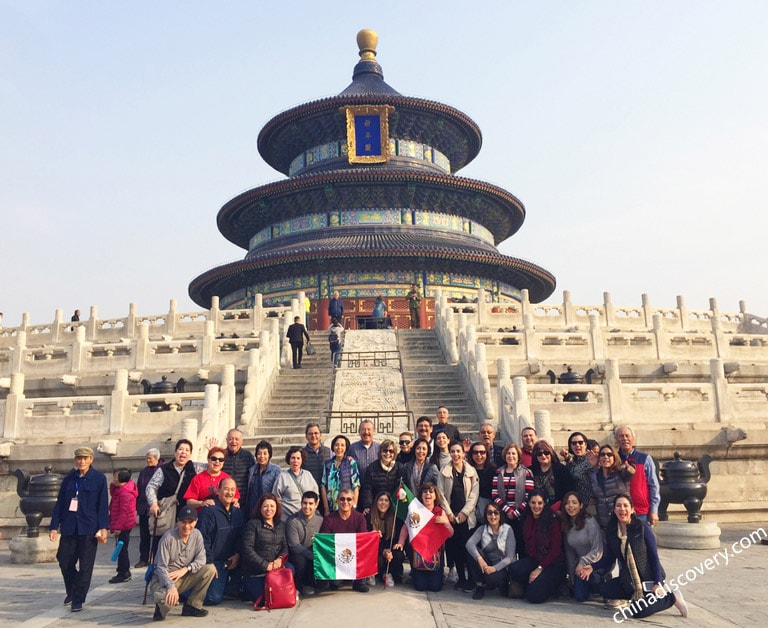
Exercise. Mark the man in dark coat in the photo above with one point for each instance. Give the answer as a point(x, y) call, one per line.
point(296, 334)
point(82, 515)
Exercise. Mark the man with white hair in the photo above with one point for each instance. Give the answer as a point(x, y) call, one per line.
point(644, 485)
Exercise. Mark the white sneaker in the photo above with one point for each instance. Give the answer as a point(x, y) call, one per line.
point(371, 581)
point(680, 604)
point(452, 577)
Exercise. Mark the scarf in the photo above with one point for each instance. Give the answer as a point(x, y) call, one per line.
point(626, 549)
point(501, 538)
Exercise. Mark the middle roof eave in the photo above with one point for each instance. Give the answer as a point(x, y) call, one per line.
point(493, 207)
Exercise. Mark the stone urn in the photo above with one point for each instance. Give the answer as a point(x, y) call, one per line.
point(163, 387)
point(572, 377)
point(38, 496)
point(684, 482)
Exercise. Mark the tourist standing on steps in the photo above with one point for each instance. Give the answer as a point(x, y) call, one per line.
point(379, 313)
point(441, 416)
point(81, 514)
point(414, 306)
point(335, 339)
point(366, 450)
point(336, 307)
point(316, 452)
point(296, 334)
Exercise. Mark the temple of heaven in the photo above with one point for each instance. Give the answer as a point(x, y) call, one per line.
point(371, 206)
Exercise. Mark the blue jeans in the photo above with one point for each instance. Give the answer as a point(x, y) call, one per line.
point(583, 589)
point(225, 583)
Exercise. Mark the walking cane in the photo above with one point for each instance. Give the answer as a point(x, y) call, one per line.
point(151, 563)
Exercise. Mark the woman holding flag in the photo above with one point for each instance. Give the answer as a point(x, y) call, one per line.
point(427, 528)
point(382, 519)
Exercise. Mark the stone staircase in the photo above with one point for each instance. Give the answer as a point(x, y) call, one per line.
point(298, 397)
point(431, 383)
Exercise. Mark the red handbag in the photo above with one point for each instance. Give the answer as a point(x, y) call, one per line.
point(279, 590)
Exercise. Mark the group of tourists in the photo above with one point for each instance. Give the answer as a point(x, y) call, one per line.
point(520, 519)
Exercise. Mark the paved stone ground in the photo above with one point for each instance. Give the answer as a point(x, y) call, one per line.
point(725, 595)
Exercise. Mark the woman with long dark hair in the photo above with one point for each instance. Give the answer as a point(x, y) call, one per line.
point(382, 519)
point(491, 550)
point(641, 576)
point(609, 480)
point(419, 470)
point(539, 574)
point(579, 461)
point(583, 544)
point(480, 458)
point(338, 473)
point(549, 474)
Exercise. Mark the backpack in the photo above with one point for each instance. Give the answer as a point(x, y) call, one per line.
point(333, 337)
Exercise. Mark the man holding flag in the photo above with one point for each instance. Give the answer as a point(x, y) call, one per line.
point(344, 549)
point(427, 528)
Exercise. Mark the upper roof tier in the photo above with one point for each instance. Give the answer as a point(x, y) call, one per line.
point(445, 129)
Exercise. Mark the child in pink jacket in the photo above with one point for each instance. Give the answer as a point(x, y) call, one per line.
point(122, 519)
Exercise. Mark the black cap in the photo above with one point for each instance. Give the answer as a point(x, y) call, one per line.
point(187, 513)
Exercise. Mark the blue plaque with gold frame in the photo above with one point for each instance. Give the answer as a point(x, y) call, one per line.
point(367, 133)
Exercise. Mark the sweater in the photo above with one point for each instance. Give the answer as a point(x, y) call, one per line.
point(583, 546)
point(122, 508)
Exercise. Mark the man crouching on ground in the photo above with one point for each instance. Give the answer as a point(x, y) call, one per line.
point(181, 567)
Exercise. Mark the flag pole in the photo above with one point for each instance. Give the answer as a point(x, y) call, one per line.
point(394, 521)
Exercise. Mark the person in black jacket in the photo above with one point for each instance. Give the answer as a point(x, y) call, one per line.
point(264, 544)
point(222, 529)
point(641, 576)
point(550, 476)
point(382, 475)
point(296, 334)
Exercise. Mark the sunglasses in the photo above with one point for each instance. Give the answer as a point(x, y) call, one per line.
point(606, 454)
point(546, 454)
point(578, 442)
point(388, 451)
point(405, 442)
point(492, 513)
point(479, 452)
point(215, 459)
point(344, 499)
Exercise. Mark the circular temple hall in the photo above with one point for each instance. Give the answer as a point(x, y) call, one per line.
point(371, 205)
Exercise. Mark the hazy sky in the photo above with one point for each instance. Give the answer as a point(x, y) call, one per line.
point(634, 133)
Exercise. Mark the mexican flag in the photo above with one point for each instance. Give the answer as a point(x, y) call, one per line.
point(425, 535)
point(346, 556)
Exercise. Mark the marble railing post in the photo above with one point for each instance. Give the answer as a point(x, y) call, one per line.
point(142, 346)
point(543, 425)
point(647, 311)
point(522, 407)
point(505, 427)
point(569, 314)
point(525, 303)
point(682, 312)
point(92, 326)
point(615, 397)
point(482, 308)
point(723, 413)
point(25, 320)
point(19, 355)
point(13, 407)
point(170, 321)
point(659, 336)
point(58, 319)
point(610, 311)
point(78, 349)
point(207, 344)
point(249, 416)
point(529, 331)
point(258, 313)
point(721, 344)
point(130, 322)
point(483, 385)
point(120, 404)
point(213, 314)
point(227, 393)
point(596, 337)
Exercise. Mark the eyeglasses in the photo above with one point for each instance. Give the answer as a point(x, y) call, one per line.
point(546, 454)
point(578, 442)
point(344, 499)
point(492, 513)
point(606, 454)
point(479, 452)
point(214, 459)
point(405, 442)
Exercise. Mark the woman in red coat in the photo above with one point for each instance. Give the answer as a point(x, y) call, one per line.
point(122, 519)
